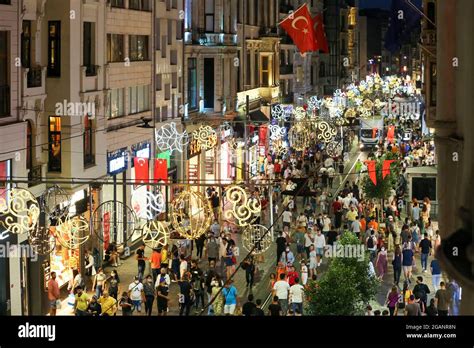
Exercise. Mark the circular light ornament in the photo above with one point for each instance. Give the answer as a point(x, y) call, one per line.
point(314, 103)
point(256, 237)
point(191, 214)
point(155, 234)
point(326, 131)
point(300, 136)
point(169, 139)
point(245, 209)
point(56, 203)
point(206, 137)
point(147, 205)
point(334, 149)
point(42, 240)
point(350, 113)
point(109, 223)
point(299, 113)
point(19, 210)
point(72, 233)
point(278, 112)
point(276, 132)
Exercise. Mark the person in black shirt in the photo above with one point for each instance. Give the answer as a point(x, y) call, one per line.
point(332, 237)
point(162, 298)
point(197, 282)
point(421, 290)
point(281, 245)
point(275, 308)
point(141, 261)
point(249, 307)
point(185, 300)
point(94, 307)
point(425, 246)
point(258, 312)
point(431, 310)
point(200, 246)
point(126, 304)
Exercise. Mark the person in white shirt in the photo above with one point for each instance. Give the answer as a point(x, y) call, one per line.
point(281, 289)
point(287, 216)
point(332, 175)
point(271, 171)
point(135, 292)
point(326, 224)
point(329, 162)
point(287, 173)
point(296, 297)
point(320, 244)
point(308, 241)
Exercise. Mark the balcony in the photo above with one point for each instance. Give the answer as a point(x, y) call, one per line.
point(91, 70)
point(89, 78)
point(35, 175)
point(33, 77)
point(34, 81)
point(199, 37)
point(286, 69)
point(4, 101)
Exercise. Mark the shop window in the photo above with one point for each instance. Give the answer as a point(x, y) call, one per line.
point(54, 144)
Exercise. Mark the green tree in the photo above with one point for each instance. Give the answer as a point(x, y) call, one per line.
point(346, 286)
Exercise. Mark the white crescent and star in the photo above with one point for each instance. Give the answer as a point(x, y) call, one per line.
point(293, 24)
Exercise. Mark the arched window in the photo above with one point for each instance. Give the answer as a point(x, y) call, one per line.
point(29, 145)
point(88, 146)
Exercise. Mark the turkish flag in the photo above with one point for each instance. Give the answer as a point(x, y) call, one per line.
point(141, 170)
point(262, 135)
point(106, 228)
point(372, 171)
point(319, 34)
point(386, 168)
point(299, 26)
point(391, 133)
point(161, 169)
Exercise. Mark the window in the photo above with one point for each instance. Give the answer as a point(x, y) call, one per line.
point(433, 75)
point(26, 45)
point(4, 80)
point(158, 82)
point(209, 12)
point(322, 69)
point(29, 146)
point(192, 83)
point(88, 149)
point(140, 5)
point(256, 71)
point(139, 99)
point(174, 80)
point(88, 49)
point(265, 76)
point(138, 47)
point(5, 2)
point(54, 49)
point(170, 31)
point(431, 12)
point(115, 48)
point(115, 107)
point(157, 33)
point(118, 3)
point(54, 161)
point(248, 69)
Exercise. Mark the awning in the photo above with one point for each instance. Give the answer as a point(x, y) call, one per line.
point(258, 116)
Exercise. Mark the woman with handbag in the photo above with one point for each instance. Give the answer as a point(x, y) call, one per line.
point(393, 298)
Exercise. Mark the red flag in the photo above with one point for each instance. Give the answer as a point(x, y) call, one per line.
point(161, 169)
point(262, 135)
point(299, 27)
point(386, 168)
point(391, 133)
point(141, 170)
point(106, 228)
point(372, 171)
point(319, 34)
point(374, 132)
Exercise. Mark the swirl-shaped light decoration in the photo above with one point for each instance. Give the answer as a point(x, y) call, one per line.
point(56, 202)
point(111, 213)
point(314, 103)
point(19, 210)
point(168, 138)
point(72, 233)
point(191, 214)
point(278, 112)
point(42, 240)
point(276, 132)
point(155, 234)
point(258, 236)
point(245, 210)
point(206, 137)
point(326, 131)
point(299, 113)
point(147, 205)
point(280, 150)
point(350, 113)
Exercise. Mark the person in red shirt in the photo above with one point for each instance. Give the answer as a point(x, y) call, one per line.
point(291, 275)
point(53, 293)
point(336, 206)
point(155, 261)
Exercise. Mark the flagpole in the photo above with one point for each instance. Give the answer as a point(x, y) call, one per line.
point(419, 11)
point(292, 13)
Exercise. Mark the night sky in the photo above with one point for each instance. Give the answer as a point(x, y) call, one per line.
point(384, 4)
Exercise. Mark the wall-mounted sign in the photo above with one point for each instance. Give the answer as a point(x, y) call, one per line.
point(117, 161)
point(142, 150)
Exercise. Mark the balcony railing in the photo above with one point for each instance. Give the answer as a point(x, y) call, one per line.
point(4, 101)
point(35, 175)
point(91, 70)
point(34, 77)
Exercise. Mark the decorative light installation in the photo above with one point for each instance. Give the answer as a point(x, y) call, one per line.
point(19, 210)
point(56, 203)
point(168, 138)
point(245, 210)
point(42, 240)
point(72, 233)
point(206, 137)
point(114, 222)
point(300, 136)
point(314, 103)
point(326, 131)
point(147, 205)
point(258, 236)
point(155, 234)
point(276, 132)
point(278, 112)
point(334, 149)
point(191, 214)
point(299, 113)
point(280, 150)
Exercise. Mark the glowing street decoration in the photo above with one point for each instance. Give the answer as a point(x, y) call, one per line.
point(147, 205)
point(42, 240)
point(278, 112)
point(326, 131)
point(109, 224)
point(300, 136)
point(72, 233)
point(280, 150)
point(19, 210)
point(314, 103)
point(258, 238)
point(245, 210)
point(56, 203)
point(191, 214)
point(299, 113)
point(155, 234)
point(206, 137)
point(169, 139)
point(334, 149)
point(276, 132)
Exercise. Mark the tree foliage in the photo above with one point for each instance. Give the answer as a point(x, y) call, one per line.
point(346, 286)
point(383, 187)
